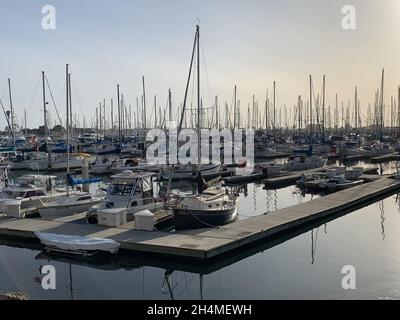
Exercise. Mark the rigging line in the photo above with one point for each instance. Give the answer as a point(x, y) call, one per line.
point(52, 99)
point(34, 92)
point(206, 73)
point(5, 115)
point(76, 94)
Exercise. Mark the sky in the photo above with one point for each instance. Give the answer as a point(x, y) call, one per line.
point(245, 43)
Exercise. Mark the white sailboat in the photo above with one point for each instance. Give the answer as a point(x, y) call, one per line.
point(71, 203)
point(211, 206)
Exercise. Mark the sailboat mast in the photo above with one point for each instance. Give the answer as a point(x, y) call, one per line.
point(144, 105)
point(355, 109)
point(382, 106)
point(274, 112)
point(67, 113)
point(198, 95)
point(46, 130)
point(311, 106)
point(11, 110)
point(119, 116)
point(234, 110)
point(323, 111)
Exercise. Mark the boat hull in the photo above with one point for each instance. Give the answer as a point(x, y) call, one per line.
point(196, 219)
point(62, 210)
point(189, 174)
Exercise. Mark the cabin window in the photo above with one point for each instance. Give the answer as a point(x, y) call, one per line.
point(34, 193)
point(210, 206)
point(122, 189)
point(84, 198)
point(134, 204)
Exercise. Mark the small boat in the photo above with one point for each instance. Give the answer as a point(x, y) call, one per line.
point(67, 205)
point(131, 190)
point(211, 208)
point(77, 245)
point(339, 183)
point(188, 172)
point(301, 163)
point(32, 190)
point(60, 162)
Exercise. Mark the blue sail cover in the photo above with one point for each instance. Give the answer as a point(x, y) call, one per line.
point(73, 182)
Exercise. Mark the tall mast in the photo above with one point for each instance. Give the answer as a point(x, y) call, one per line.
point(274, 127)
point(198, 95)
point(46, 130)
point(112, 121)
point(25, 125)
point(311, 106)
point(234, 110)
point(144, 105)
point(44, 108)
point(11, 110)
point(155, 113)
point(67, 114)
point(323, 110)
point(71, 131)
point(355, 109)
point(381, 105)
point(119, 116)
point(169, 106)
point(398, 111)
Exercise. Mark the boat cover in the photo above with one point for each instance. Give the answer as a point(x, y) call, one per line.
point(77, 243)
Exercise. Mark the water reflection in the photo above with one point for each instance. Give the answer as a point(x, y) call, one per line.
point(272, 268)
point(382, 217)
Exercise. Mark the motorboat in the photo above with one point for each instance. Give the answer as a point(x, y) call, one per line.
point(32, 190)
point(60, 162)
point(189, 171)
point(74, 203)
point(302, 162)
point(339, 183)
point(131, 190)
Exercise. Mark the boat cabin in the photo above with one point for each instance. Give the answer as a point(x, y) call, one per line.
point(135, 188)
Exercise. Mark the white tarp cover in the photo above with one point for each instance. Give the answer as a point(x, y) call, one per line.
point(74, 243)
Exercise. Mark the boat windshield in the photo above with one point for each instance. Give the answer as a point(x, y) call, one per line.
point(15, 194)
point(122, 189)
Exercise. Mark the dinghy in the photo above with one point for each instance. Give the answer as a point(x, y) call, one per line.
point(81, 245)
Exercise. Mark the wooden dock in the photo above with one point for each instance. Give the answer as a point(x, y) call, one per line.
point(209, 243)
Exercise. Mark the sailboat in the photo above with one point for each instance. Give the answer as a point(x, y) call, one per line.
point(75, 202)
point(211, 206)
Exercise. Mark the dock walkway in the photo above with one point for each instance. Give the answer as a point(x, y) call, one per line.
point(208, 243)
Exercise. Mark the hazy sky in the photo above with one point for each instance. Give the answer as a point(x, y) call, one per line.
point(248, 43)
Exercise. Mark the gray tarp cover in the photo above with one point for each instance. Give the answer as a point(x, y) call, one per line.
point(73, 243)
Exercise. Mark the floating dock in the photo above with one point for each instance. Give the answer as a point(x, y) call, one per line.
point(205, 244)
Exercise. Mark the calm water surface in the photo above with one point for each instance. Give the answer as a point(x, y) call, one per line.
point(307, 266)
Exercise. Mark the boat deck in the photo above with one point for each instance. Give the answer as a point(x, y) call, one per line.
point(291, 178)
point(208, 243)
